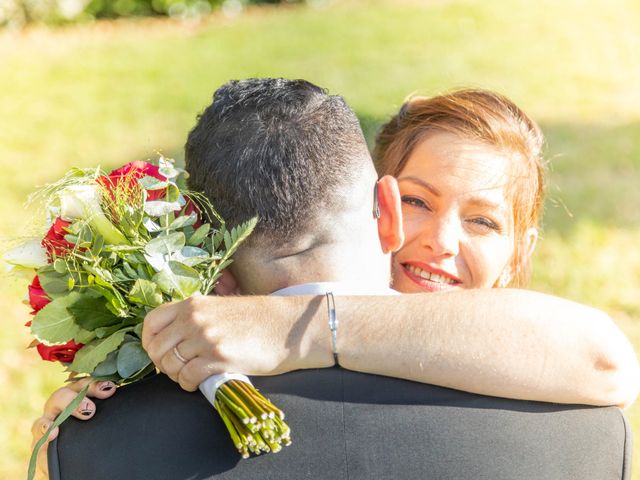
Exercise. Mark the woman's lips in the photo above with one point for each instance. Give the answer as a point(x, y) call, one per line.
point(431, 280)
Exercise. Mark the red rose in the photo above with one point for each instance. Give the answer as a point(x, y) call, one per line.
point(59, 353)
point(131, 173)
point(54, 242)
point(37, 296)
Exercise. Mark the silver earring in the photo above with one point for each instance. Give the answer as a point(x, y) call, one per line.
point(504, 280)
point(376, 203)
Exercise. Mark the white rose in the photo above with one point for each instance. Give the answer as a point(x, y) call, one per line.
point(83, 202)
point(79, 201)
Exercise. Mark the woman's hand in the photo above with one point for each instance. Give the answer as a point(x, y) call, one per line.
point(57, 402)
point(207, 335)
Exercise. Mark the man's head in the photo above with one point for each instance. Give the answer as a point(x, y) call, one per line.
point(289, 153)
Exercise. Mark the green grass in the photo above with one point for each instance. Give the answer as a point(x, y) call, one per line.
point(114, 92)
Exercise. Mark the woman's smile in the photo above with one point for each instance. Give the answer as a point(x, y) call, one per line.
point(429, 278)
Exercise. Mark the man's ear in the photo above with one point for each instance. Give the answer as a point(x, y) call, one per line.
point(390, 219)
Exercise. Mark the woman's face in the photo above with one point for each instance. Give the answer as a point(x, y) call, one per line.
point(458, 221)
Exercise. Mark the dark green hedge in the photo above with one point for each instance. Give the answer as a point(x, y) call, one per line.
point(17, 13)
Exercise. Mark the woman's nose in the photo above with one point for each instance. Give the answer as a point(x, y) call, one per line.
point(442, 237)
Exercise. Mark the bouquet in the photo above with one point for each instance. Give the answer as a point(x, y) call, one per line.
point(118, 246)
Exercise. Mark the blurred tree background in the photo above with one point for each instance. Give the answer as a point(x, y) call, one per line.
point(78, 90)
point(20, 13)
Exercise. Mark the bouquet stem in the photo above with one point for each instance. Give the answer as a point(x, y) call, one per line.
point(254, 423)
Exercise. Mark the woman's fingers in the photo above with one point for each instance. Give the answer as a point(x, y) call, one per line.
point(58, 401)
point(38, 429)
point(61, 398)
point(101, 390)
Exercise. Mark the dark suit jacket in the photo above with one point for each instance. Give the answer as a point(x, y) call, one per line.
point(345, 425)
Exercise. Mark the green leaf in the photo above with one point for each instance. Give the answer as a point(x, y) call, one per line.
point(98, 245)
point(173, 194)
point(102, 332)
point(100, 273)
point(165, 244)
point(168, 171)
point(129, 270)
point(142, 373)
point(183, 221)
point(89, 356)
point(53, 283)
point(218, 237)
point(178, 280)
point(60, 266)
point(120, 276)
point(91, 312)
point(131, 359)
point(191, 256)
point(152, 183)
point(146, 292)
point(150, 225)
point(84, 336)
point(138, 329)
point(141, 272)
point(108, 366)
point(55, 323)
point(199, 235)
point(117, 304)
point(240, 233)
point(228, 243)
point(158, 208)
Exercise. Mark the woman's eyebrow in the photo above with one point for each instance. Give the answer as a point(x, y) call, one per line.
point(486, 202)
point(422, 183)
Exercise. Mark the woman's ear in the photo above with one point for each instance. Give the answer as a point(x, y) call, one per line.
point(390, 218)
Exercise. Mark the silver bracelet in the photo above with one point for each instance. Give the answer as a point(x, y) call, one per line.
point(333, 325)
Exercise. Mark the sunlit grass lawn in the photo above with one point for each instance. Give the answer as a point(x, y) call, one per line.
point(111, 93)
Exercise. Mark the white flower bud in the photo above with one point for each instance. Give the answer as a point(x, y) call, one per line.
point(30, 254)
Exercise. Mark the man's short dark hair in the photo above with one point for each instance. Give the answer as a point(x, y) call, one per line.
point(274, 148)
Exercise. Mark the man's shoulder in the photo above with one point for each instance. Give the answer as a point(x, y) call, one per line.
point(348, 425)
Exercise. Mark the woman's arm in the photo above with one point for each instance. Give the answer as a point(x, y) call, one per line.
point(508, 343)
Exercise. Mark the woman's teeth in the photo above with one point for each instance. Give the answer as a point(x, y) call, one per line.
point(432, 277)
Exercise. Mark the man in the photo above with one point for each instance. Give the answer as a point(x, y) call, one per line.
point(294, 156)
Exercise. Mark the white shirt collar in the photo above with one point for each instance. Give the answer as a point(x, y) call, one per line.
point(337, 288)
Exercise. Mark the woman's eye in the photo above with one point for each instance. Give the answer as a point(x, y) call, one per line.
point(486, 223)
point(414, 202)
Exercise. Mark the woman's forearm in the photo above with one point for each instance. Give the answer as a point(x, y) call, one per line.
point(508, 343)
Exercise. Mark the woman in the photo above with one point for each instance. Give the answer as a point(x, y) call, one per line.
point(470, 178)
point(470, 173)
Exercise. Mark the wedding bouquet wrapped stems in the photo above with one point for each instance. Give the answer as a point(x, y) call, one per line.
point(118, 246)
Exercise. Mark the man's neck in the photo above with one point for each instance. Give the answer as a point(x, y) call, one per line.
point(364, 270)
